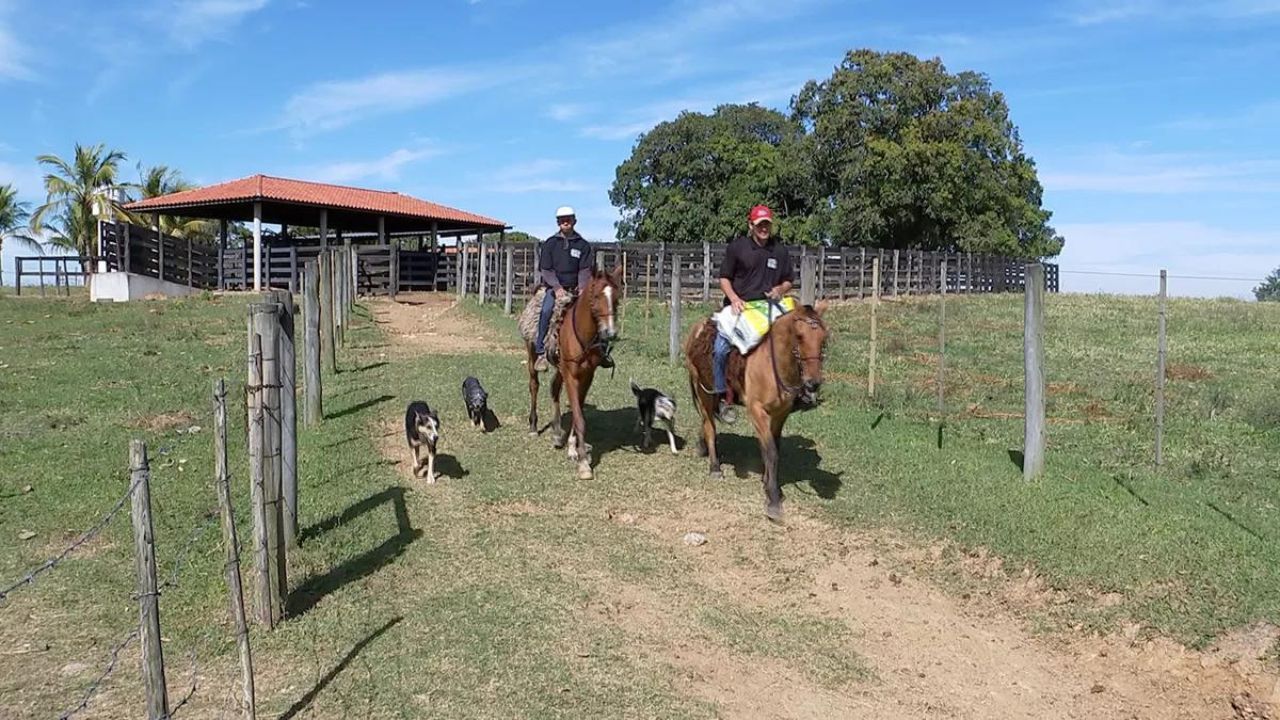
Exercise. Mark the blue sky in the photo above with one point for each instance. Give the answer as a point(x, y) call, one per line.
point(1155, 124)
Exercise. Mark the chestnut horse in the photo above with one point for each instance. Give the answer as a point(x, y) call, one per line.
point(784, 370)
point(582, 331)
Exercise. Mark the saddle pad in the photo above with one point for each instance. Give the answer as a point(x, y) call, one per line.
point(747, 329)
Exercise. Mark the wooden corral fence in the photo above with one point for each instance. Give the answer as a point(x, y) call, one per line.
point(479, 267)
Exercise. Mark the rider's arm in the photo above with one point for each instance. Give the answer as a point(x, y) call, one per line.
point(786, 275)
point(547, 266)
point(727, 287)
point(728, 267)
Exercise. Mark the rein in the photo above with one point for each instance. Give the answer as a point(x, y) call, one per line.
point(783, 388)
point(595, 337)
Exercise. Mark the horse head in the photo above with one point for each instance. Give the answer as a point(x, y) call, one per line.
point(809, 340)
point(602, 296)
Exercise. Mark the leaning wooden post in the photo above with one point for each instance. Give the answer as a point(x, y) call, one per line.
point(1033, 357)
point(706, 271)
point(1161, 349)
point(942, 343)
point(808, 284)
point(287, 371)
point(266, 327)
point(875, 303)
point(312, 410)
point(673, 345)
point(222, 483)
point(511, 280)
point(328, 321)
point(148, 593)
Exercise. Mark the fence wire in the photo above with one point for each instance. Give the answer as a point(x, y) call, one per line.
point(88, 535)
point(97, 684)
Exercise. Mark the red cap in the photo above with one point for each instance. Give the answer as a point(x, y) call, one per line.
point(759, 213)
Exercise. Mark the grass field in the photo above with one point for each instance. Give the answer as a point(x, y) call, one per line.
point(510, 590)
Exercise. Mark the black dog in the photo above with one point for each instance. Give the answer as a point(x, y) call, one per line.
point(652, 405)
point(476, 400)
point(422, 430)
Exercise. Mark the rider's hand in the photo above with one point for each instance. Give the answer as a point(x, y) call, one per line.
point(738, 305)
point(561, 292)
point(773, 294)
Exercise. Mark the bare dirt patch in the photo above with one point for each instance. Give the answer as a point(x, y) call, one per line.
point(164, 421)
point(1187, 372)
point(428, 323)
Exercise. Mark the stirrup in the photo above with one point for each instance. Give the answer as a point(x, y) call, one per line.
point(725, 411)
point(541, 364)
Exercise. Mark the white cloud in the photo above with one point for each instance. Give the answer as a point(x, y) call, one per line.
point(1098, 257)
point(1161, 174)
point(13, 54)
point(534, 176)
point(334, 104)
point(1264, 115)
point(190, 23)
point(27, 178)
point(563, 112)
point(386, 168)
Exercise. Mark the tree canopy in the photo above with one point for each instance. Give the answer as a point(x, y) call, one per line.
point(1269, 290)
point(889, 151)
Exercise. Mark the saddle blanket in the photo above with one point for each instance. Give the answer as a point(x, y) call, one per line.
point(747, 329)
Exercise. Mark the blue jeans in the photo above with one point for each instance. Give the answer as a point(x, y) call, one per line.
point(720, 362)
point(544, 320)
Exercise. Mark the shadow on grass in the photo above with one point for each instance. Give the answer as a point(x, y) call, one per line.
point(310, 697)
point(360, 406)
point(798, 462)
point(1231, 519)
point(373, 366)
point(316, 587)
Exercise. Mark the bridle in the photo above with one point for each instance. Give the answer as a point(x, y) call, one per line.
point(595, 343)
point(783, 388)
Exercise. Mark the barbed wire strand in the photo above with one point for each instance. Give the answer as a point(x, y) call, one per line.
point(84, 538)
point(97, 684)
point(1157, 276)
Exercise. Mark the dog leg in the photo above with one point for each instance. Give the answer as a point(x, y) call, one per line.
point(671, 438)
point(431, 468)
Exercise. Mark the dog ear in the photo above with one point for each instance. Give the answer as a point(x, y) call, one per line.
point(822, 307)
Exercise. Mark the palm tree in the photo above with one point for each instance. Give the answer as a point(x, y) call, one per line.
point(75, 190)
point(14, 216)
point(160, 180)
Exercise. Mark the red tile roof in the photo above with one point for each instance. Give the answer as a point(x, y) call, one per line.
point(267, 188)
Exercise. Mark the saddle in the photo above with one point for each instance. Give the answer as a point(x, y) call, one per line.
point(528, 323)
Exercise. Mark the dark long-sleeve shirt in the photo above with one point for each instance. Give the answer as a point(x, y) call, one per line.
point(566, 262)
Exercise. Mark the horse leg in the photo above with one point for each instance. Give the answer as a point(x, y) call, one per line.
point(707, 440)
point(769, 456)
point(579, 451)
point(558, 438)
point(533, 390)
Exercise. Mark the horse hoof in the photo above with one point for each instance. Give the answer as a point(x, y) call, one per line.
point(716, 474)
point(773, 512)
point(584, 473)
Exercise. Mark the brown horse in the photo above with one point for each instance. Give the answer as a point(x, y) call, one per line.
point(783, 370)
point(581, 334)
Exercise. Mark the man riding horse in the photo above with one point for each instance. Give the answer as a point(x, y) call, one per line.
point(755, 267)
point(565, 264)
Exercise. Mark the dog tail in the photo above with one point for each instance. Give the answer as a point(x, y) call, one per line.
point(635, 389)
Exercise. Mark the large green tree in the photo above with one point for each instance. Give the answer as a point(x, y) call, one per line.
point(905, 154)
point(889, 151)
point(14, 216)
point(1269, 290)
point(75, 190)
point(696, 177)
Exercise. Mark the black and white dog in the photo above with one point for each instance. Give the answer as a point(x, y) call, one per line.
point(476, 400)
point(653, 404)
point(422, 431)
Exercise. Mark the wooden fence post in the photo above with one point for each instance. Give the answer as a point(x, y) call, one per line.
point(942, 342)
point(483, 274)
point(222, 482)
point(313, 411)
point(1033, 358)
point(673, 345)
point(266, 329)
point(393, 281)
point(875, 303)
point(327, 320)
point(808, 282)
point(706, 271)
point(895, 273)
point(148, 593)
point(262, 608)
point(287, 371)
point(662, 268)
point(511, 280)
point(1161, 354)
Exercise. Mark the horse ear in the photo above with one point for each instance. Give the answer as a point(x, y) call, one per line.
point(616, 275)
point(822, 307)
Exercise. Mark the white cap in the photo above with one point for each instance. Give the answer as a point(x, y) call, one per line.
point(564, 211)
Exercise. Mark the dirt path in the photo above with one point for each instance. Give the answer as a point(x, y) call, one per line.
point(928, 653)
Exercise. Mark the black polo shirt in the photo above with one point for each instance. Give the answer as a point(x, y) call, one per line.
point(566, 258)
point(754, 270)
